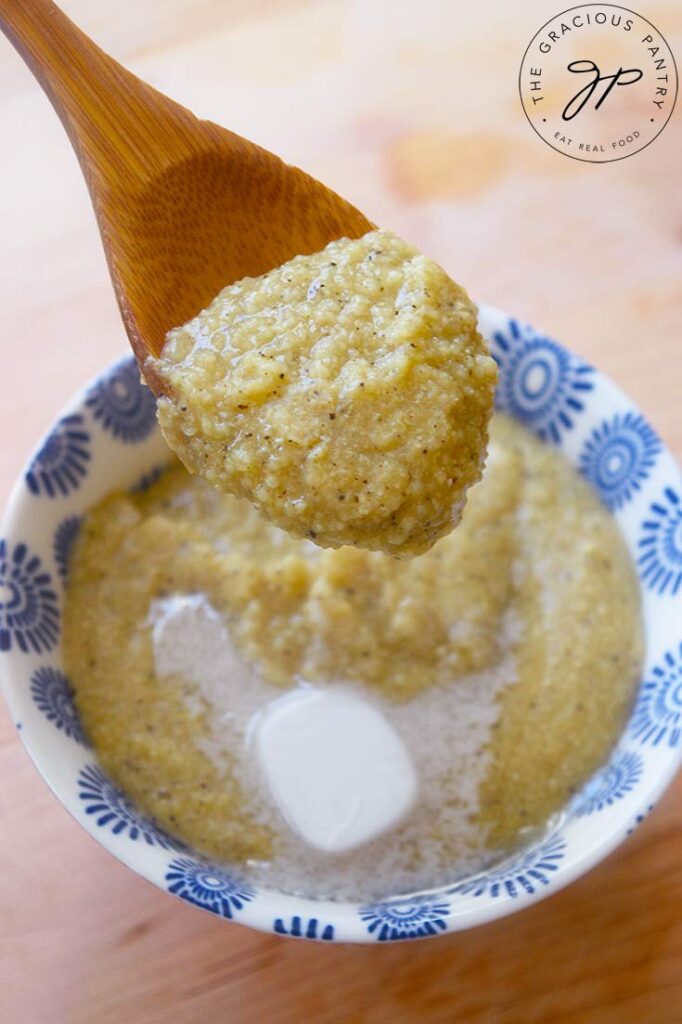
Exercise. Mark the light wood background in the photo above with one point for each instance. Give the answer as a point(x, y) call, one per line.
point(409, 109)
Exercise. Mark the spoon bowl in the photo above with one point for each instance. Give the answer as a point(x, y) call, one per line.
point(184, 206)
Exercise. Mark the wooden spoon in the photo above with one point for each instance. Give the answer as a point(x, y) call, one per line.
point(184, 207)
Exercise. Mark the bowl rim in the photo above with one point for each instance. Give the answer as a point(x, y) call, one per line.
point(269, 910)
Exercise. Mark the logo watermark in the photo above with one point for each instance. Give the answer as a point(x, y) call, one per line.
point(598, 82)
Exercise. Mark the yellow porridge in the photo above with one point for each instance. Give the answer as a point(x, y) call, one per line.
point(506, 657)
point(346, 394)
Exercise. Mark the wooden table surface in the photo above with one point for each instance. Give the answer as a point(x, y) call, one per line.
point(411, 111)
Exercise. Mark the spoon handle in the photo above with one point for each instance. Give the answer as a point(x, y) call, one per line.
point(184, 207)
point(109, 114)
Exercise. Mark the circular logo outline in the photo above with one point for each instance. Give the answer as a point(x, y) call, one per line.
point(584, 159)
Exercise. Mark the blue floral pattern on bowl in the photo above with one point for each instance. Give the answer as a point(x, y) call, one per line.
point(618, 457)
point(660, 545)
point(111, 809)
point(522, 875)
point(61, 465)
point(300, 928)
point(541, 383)
point(29, 613)
point(123, 404)
point(207, 886)
point(657, 717)
point(64, 539)
point(53, 695)
point(148, 479)
point(639, 818)
point(414, 918)
point(556, 395)
point(618, 778)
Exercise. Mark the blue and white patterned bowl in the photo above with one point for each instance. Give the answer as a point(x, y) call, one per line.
point(108, 439)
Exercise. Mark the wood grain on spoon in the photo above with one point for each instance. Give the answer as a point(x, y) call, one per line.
point(184, 206)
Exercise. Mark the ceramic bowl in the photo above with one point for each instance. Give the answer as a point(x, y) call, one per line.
point(107, 438)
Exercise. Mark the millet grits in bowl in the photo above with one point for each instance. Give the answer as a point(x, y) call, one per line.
point(506, 658)
point(514, 648)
